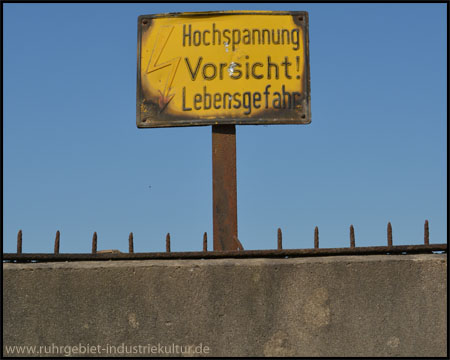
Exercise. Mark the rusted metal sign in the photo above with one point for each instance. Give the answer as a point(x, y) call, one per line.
point(234, 67)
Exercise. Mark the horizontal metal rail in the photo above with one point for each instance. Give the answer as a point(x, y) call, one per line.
point(278, 253)
point(241, 253)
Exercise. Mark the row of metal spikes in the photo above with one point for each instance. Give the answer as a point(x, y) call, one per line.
point(205, 240)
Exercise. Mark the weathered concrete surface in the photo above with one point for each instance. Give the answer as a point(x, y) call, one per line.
point(330, 306)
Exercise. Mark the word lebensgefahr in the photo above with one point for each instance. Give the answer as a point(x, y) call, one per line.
point(247, 100)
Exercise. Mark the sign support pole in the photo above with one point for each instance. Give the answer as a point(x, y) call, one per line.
point(224, 188)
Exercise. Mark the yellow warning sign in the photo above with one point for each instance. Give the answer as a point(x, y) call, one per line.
point(236, 67)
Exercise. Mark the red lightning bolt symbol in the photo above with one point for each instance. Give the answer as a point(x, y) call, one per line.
point(153, 65)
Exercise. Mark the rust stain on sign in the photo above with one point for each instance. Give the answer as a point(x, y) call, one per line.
point(234, 67)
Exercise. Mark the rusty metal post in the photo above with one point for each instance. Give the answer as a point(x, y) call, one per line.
point(205, 242)
point(19, 242)
point(426, 236)
point(224, 187)
point(389, 234)
point(168, 242)
point(352, 236)
point(316, 238)
point(94, 243)
point(130, 243)
point(279, 239)
point(56, 249)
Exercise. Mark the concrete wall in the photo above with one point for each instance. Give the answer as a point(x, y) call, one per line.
point(329, 306)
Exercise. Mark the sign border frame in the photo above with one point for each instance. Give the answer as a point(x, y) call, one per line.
point(177, 121)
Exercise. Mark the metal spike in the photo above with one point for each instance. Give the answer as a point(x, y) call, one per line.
point(168, 242)
point(57, 242)
point(316, 238)
point(130, 243)
point(389, 234)
point(94, 243)
point(426, 237)
point(19, 242)
point(205, 242)
point(280, 239)
point(352, 236)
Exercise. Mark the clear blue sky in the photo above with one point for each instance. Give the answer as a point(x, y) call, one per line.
point(74, 160)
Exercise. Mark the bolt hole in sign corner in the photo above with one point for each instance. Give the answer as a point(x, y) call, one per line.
point(232, 67)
